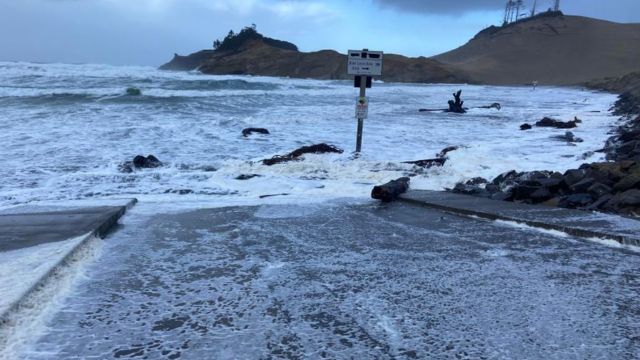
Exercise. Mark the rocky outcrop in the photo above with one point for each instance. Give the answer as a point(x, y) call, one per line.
point(257, 56)
point(140, 162)
point(549, 122)
point(248, 131)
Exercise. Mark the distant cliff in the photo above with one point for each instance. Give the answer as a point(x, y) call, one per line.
point(253, 54)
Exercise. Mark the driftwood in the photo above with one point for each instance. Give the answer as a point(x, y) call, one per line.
point(296, 154)
point(427, 163)
point(492, 106)
point(391, 190)
point(456, 106)
point(549, 122)
point(248, 131)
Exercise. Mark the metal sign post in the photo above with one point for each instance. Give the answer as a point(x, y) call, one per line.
point(363, 64)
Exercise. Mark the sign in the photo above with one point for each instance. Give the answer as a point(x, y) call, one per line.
point(364, 63)
point(362, 108)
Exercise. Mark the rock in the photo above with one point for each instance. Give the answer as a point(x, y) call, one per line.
point(509, 175)
point(549, 122)
point(391, 190)
point(133, 91)
point(551, 183)
point(600, 203)
point(446, 150)
point(599, 190)
point(526, 127)
point(492, 106)
point(148, 162)
point(523, 192)
point(628, 182)
point(629, 198)
point(540, 195)
point(477, 181)
point(582, 186)
point(629, 148)
point(573, 176)
point(296, 154)
point(569, 137)
point(554, 202)
point(576, 201)
point(248, 131)
point(470, 189)
point(492, 188)
point(629, 135)
point(247, 176)
point(427, 163)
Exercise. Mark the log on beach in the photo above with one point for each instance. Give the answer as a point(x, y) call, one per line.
point(296, 154)
point(391, 190)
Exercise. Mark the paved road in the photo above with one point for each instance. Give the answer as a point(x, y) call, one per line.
point(347, 281)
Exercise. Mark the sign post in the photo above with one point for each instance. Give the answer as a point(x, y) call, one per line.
point(363, 64)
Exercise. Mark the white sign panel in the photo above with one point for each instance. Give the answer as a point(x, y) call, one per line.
point(364, 63)
point(362, 108)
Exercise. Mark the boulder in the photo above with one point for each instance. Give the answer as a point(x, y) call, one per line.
point(247, 176)
point(469, 189)
point(502, 196)
point(582, 186)
point(133, 91)
point(526, 127)
point(576, 201)
point(600, 203)
point(148, 162)
point(248, 131)
point(573, 176)
point(629, 198)
point(541, 195)
point(568, 137)
point(599, 190)
point(549, 122)
point(628, 182)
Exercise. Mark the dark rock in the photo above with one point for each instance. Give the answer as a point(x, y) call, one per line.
point(582, 186)
point(133, 91)
point(629, 198)
point(554, 202)
point(576, 201)
point(630, 148)
point(510, 175)
point(523, 192)
point(391, 190)
point(492, 106)
point(552, 183)
point(427, 163)
point(600, 203)
point(569, 137)
point(629, 135)
point(296, 154)
point(148, 162)
point(469, 189)
point(477, 181)
point(573, 176)
point(492, 188)
point(598, 190)
point(446, 150)
point(248, 131)
point(628, 182)
point(526, 127)
point(247, 176)
point(549, 122)
point(540, 195)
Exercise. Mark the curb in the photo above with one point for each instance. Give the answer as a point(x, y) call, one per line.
point(100, 232)
point(492, 216)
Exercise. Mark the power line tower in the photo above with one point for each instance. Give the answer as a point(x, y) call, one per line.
point(557, 6)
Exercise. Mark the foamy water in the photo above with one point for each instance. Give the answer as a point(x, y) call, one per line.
point(65, 129)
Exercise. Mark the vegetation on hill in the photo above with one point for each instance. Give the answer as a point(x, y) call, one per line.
point(234, 41)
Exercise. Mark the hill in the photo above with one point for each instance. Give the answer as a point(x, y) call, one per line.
point(247, 53)
point(550, 48)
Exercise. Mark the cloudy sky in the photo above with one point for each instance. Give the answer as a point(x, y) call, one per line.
point(148, 32)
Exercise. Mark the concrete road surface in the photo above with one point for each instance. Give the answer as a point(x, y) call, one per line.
point(347, 281)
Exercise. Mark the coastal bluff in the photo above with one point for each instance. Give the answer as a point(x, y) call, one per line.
point(258, 55)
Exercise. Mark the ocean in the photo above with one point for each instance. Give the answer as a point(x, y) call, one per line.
point(66, 129)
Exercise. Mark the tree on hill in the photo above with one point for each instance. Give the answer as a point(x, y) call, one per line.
point(234, 41)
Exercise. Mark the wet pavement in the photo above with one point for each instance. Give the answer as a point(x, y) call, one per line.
point(346, 281)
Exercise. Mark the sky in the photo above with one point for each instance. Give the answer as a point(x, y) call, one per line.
point(149, 32)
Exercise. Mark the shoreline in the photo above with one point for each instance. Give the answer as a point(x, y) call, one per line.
point(612, 186)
